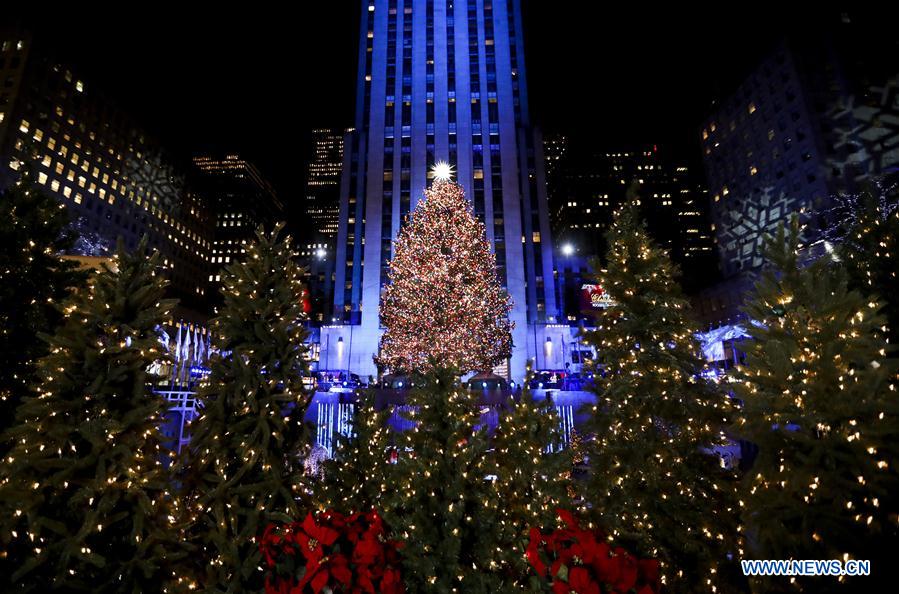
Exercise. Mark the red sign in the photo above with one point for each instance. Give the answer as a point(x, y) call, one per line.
point(594, 297)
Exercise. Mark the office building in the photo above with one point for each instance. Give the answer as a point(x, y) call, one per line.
point(441, 80)
point(323, 183)
point(589, 186)
point(818, 116)
point(114, 179)
point(241, 200)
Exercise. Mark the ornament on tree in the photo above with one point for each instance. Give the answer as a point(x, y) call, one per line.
point(444, 299)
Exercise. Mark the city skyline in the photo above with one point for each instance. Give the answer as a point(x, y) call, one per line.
point(224, 85)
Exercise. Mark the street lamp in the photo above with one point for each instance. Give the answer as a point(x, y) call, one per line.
point(567, 249)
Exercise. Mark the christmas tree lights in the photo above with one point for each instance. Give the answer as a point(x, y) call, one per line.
point(654, 485)
point(360, 474)
point(34, 279)
point(444, 299)
point(532, 478)
point(85, 502)
point(820, 402)
point(244, 467)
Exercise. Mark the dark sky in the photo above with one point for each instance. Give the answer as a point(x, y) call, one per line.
point(256, 79)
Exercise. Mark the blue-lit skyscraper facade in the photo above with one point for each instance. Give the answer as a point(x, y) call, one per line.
point(441, 80)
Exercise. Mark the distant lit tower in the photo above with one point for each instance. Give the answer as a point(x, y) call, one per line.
point(672, 204)
point(555, 157)
point(442, 80)
point(240, 199)
point(323, 183)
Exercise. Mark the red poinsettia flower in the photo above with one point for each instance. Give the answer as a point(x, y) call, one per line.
point(533, 552)
point(568, 518)
point(391, 582)
point(627, 566)
point(312, 537)
point(318, 575)
point(604, 564)
point(367, 550)
point(581, 582)
point(583, 550)
point(648, 571)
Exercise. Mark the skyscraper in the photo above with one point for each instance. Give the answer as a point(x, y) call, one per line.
point(589, 186)
point(241, 200)
point(816, 117)
point(113, 178)
point(441, 80)
point(323, 183)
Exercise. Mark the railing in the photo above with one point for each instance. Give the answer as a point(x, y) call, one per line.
point(332, 415)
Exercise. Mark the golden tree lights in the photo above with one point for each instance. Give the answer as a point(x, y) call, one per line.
point(444, 299)
point(34, 280)
point(85, 502)
point(245, 463)
point(821, 404)
point(654, 483)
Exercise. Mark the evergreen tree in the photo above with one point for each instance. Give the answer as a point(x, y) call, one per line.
point(532, 478)
point(443, 506)
point(655, 483)
point(444, 299)
point(244, 467)
point(360, 473)
point(34, 280)
point(867, 247)
point(85, 499)
point(820, 402)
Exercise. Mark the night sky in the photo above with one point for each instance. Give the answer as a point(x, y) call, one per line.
point(256, 81)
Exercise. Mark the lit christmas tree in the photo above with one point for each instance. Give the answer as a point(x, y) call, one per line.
point(820, 401)
point(532, 478)
point(34, 279)
point(84, 501)
point(654, 484)
point(244, 468)
point(442, 505)
point(865, 230)
point(444, 298)
point(360, 473)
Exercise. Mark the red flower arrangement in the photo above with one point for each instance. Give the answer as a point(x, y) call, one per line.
point(582, 561)
point(341, 553)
